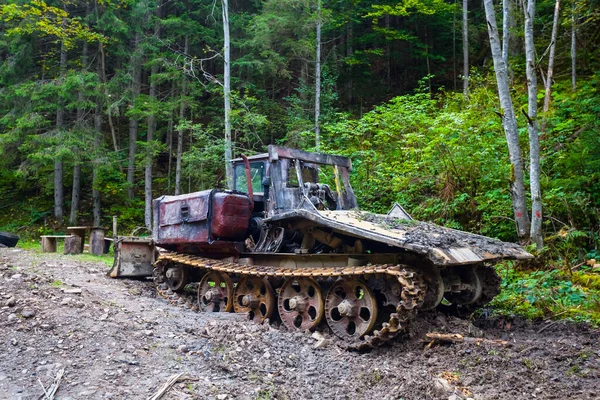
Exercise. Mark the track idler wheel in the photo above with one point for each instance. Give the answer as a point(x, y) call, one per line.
point(255, 296)
point(215, 292)
point(350, 309)
point(300, 303)
point(176, 277)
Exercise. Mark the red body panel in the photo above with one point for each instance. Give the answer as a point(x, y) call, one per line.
point(230, 216)
point(201, 218)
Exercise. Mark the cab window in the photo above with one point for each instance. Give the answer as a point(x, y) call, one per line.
point(256, 175)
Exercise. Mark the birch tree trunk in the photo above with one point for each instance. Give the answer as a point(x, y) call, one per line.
point(59, 195)
point(548, 86)
point(318, 80)
point(534, 146)
point(227, 94)
point(182, 107)
point(505, 30)
point(136, 70)
point(509, 122)
point(465, 38)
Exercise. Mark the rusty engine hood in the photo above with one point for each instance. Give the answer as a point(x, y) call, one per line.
point(442, 246)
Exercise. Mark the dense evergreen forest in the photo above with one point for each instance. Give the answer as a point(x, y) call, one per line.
point(104, 101)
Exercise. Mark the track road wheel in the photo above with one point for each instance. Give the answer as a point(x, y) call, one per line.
point(255, 296)
point(176, 277)
point(215, 292)
point(300, 304)
point(350, 309)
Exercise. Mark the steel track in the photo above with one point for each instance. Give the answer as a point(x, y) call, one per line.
point(412, 296)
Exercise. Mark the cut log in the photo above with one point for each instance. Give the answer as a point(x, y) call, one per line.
point(48, 244)
point(73, 245)
point(457, 338)
point(97, 241)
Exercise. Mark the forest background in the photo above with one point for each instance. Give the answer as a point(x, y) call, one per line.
point(99, 99)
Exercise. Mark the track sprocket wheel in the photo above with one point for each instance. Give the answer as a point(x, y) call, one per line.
point(470, 276)
point(255, 296)
point(215, 292)
point(350, 308)
point(300, 303)
point(489, 282)
point(176, 276)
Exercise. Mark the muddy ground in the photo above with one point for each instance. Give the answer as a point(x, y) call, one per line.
point(115, 339)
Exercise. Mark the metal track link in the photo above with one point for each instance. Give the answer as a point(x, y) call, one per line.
point(411, 299)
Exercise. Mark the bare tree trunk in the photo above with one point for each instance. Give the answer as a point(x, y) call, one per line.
point(454, 45)
point(179, 150)
point(149, 152)
point(59, 195)
point(227, 95)
point(182, 107)
point(548, 87)
point(113, 133)
point(76, 192)
point(150, 134)
point(505, 30)
point(97, 143)
point(427, 63)
point(388, 50)
point(170, 143)
point(136, 70)
point(573, 49)
point(318, 80)
point(534, 146)
point(509, 122)
point(465, 38)
point(96, 165)
point(349, 53)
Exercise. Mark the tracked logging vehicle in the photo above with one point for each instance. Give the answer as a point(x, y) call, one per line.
point(289, 244)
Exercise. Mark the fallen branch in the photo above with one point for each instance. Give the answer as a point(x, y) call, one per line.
point(549, 325)
point(173, 379)
point(49, 394)
point(457, 338)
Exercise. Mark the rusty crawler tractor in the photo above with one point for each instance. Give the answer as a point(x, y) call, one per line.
point(289, 243)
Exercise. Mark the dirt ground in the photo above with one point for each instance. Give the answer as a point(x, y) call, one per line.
point(115, 339)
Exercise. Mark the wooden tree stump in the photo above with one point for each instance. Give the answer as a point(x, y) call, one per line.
point(73, 245)
point(48, 244)
point(97, 241)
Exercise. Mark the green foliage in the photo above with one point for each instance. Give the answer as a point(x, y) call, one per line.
point(39, 17)
point(438, 157)
point(549, 293)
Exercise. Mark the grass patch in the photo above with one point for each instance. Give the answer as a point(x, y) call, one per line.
point(30, 244)
point(57, 283)
point(549, 294)
point(35, 246)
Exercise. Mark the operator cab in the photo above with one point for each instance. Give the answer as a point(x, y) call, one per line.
point(258, 176)
point(287, 179)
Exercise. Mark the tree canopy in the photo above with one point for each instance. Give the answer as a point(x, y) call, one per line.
point(108, 86)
